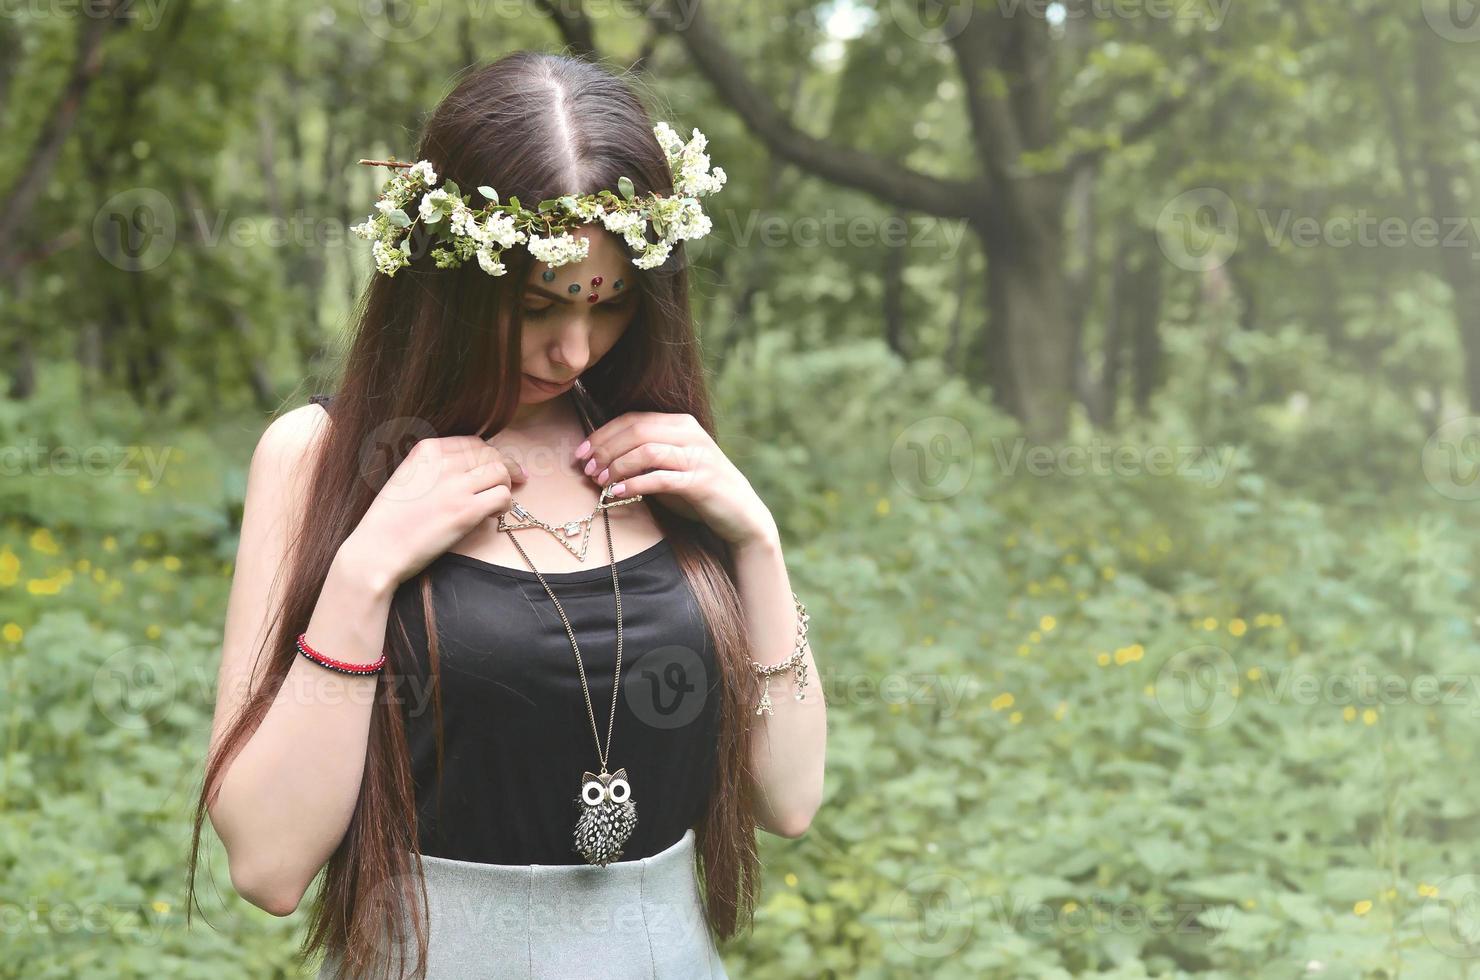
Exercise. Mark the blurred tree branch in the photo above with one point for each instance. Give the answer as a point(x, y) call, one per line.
point(87, 65)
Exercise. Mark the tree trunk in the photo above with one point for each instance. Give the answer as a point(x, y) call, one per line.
point(1143, 303)
point(1027, 347)
point(893, 275)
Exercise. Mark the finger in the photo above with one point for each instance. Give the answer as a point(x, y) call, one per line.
point(655, 481)
point(488, 453)
point(635, 429)
point(648, 456)
point(495, 499)
point(503, 470)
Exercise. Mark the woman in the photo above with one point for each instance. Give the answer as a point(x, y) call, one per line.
point(517, 762)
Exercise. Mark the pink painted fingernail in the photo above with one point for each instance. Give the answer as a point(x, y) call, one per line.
point(619, 489)
point(604, 474)
point(583, 449)
point(591, 466)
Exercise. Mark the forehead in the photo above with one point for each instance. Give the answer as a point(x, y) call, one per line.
point(607, 257)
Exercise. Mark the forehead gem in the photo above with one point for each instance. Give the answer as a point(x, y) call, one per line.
point(617, 284)
point(591, 298)
point(548, 275)
point(575, 287)
point(596, 280)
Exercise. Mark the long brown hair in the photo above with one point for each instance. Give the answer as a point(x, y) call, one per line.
point(431, 345)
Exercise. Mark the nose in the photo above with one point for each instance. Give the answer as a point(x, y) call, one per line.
point(570, 347)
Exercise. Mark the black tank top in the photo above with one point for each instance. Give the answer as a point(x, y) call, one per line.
point(517, 733)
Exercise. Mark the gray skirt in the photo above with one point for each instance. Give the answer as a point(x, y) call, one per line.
point(631, 919)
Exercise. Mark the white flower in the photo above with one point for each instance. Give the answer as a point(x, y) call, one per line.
point(387, 258)
point(669, 139)
point(365, 229)
point(386, 205)
point(490, 263)
point(463, 223)
point(398, 191)
point(695, 179)
point(655, 254)
point(558, 249)
point(621, 222)
point(432, 203)
point(688, 221)
point(423, 169)
point(586, 208)
point(499, 229)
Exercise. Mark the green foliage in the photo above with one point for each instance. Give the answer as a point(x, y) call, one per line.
point(1094, 717)
point(1015, 784)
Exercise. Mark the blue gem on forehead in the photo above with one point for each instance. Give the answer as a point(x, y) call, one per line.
point(547, 275)
point(575, 287)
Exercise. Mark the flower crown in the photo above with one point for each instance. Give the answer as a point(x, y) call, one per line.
point(463, 233)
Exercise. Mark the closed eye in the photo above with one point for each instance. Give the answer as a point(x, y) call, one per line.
point(619, 306)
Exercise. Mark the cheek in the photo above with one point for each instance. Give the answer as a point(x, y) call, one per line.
point(605, 336)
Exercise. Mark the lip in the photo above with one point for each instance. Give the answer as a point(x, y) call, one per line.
point(546, 386)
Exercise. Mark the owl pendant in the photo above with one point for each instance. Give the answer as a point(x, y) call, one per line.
point(608, 816)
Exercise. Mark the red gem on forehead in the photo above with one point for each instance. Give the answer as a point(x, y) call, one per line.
point(591, 298)
point(596, 280)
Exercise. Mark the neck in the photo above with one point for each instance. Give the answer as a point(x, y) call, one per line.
point(542, 417)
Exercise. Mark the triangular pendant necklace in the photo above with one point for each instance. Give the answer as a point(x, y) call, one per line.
point(517, 518)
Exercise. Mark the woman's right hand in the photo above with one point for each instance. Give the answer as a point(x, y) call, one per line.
point(443, 489)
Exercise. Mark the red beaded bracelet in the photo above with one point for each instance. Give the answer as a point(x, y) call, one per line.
point(339, 665)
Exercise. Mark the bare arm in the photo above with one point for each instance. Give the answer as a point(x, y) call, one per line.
point(287, 797)
point(790, 748)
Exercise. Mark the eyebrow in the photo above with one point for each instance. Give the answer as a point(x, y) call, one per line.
point(568, 298)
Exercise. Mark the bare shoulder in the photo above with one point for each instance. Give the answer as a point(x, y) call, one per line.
point(290, 438)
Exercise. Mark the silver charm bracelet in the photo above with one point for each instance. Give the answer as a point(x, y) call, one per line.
point(795, 661)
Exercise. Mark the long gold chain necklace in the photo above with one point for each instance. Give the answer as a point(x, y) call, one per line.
point(608, 813)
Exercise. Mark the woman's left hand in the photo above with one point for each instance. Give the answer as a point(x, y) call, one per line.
point(671, 457)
